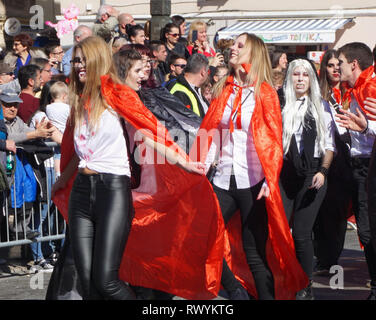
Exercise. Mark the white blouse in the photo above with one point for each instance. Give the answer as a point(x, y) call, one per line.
point(103, 150)
point(361, 144)
point(238, 155)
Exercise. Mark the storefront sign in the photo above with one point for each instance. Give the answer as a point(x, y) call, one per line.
point(312, 37)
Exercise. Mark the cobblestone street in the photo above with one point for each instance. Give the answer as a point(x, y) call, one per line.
point(17, 284)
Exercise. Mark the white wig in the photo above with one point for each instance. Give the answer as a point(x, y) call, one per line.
point(314, 107)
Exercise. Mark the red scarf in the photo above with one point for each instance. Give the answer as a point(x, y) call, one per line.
point(266, 127)
point(337, 94)
point(365, 86)
point(176, 242)
point(237, 107)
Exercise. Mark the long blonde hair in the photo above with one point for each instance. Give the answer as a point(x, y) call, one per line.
point(261, 69)
point(195, 26)
point(98, 61)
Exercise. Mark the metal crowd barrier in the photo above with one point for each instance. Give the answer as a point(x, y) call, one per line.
point(56, 226)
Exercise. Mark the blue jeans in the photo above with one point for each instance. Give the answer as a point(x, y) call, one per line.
point(40, 216)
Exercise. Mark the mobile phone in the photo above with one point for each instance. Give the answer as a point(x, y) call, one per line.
point(194, 36)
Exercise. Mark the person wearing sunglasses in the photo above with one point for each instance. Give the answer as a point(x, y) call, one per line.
point(7, 80)
point(170, 35)
point(177, 64)
point(6, 73)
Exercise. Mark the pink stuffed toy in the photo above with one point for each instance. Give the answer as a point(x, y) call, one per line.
point(69, 24)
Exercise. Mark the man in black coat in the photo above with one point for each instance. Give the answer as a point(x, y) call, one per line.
point(187, 86)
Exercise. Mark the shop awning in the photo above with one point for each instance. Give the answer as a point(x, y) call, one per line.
point(288, 30)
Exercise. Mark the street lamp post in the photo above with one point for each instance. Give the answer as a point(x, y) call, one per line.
point(160, 11)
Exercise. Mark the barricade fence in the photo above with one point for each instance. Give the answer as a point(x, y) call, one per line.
point(37, 221)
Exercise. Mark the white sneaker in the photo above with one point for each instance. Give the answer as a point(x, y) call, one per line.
point(41, 265)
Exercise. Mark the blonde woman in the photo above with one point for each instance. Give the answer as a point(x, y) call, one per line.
point(245, 112)
point(198, 40)
point(100, 203)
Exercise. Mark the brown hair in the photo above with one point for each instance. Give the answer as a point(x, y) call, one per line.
point(357, 51)
point(25, 40)
point(278, 77)
point(124, 60)
point(325, 87)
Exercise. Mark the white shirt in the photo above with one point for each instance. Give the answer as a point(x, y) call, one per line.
point(329, 132)
point(371, 128)
point(361, 144)
point(58, 113)
point(199, 95)
point(38, 116)
point(238, 149)
point(103, 150)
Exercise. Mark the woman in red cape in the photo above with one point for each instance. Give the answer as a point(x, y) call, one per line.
point(280, 275)
point(176, 238)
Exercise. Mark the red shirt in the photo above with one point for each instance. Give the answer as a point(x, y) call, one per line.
point(206, 54)
point(27, 108)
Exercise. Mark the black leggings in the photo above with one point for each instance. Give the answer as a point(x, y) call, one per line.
point(100, 217)
point(301, 205)
point(254, 234)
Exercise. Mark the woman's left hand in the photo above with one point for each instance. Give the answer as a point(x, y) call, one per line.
point(264, 192)
point(317, 181)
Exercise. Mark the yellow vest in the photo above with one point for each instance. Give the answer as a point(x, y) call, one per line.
point(191, 96)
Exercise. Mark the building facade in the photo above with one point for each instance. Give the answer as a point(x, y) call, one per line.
point(294, 25)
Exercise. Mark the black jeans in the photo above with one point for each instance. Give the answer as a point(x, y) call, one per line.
point(100, 217)
point(331, 223)
point(254, 233)
point(360, 207)
point(301, 206)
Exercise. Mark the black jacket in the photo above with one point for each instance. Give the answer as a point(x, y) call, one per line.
point(183, 97)
point(181, 122)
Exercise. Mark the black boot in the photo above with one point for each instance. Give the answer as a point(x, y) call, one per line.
point(239, 294)
point(306, 293)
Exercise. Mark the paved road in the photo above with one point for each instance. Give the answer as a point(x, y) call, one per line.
point(17, 284)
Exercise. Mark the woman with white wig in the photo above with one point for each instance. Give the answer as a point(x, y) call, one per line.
point(308, 146)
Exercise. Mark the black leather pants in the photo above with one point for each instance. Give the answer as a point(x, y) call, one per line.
point(100, 217)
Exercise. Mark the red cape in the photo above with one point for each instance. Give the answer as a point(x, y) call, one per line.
point(266, 126)
point(176, 242)
point(365, 86)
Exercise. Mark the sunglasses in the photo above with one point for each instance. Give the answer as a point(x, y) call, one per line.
point(10, 105)
point(77, 60)
point(7, 74)
point(180, 65)
point(175, 35)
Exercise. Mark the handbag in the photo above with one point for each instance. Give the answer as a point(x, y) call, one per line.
point(134, 167)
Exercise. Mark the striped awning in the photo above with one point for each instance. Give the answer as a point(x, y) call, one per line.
point(288, 30)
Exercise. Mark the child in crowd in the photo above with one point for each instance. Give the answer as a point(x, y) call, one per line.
point(58, 112)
